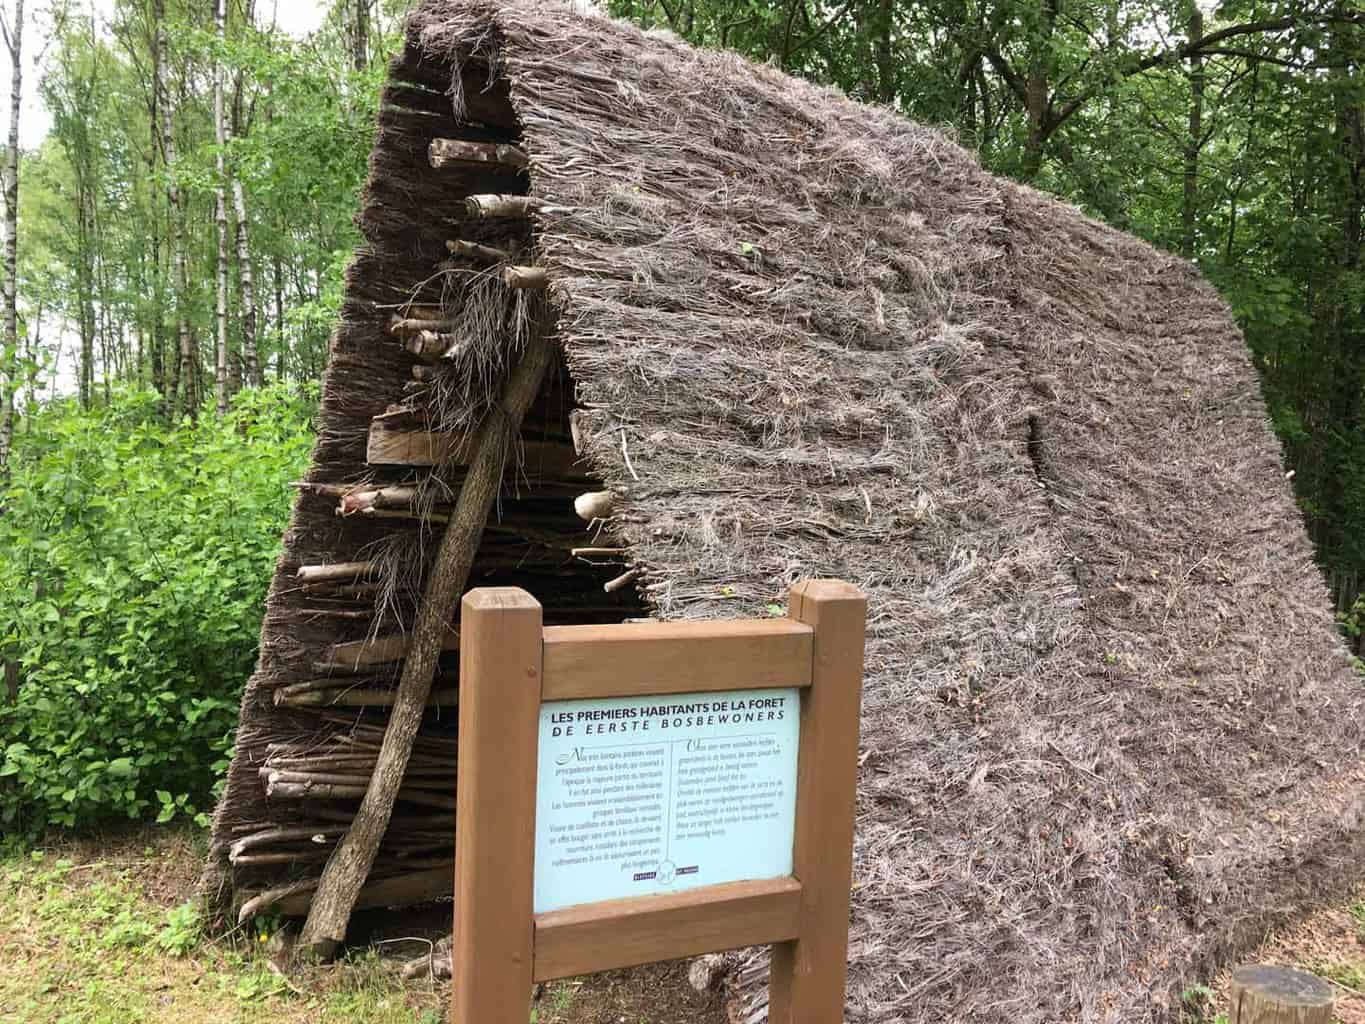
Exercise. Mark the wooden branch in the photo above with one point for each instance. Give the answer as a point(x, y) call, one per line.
point(341, 614)
point(313, 833)
point(337, 571)
point(488, 207)
point(625, 579)
point(247, 860)
point(323, 490)
point(397, 496)
point(333, 791)
point(412, 515)
point(433, 346)
point(280, 776)
point(525, 278)
point(481, 253)
point(382, 650)
point(296, 899)
point(410, 325)
point(357, 697)
point(594, 505)
point(597, 552)
point(460, 152)
point(343, 878)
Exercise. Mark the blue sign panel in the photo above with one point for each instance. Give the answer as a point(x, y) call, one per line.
point(644, 795)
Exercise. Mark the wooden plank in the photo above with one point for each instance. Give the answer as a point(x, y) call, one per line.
point(643, 929)
point(389, 447)
point(639, 659)
point(492, 951)
point(809, 974)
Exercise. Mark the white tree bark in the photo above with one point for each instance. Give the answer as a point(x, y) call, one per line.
point(220, 215)
point(184, 383)
point(14, 41)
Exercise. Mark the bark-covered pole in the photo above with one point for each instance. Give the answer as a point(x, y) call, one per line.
point(349, 865)
point(185, 383)
point(246, 276)
point(220, 212)
point(14, 41)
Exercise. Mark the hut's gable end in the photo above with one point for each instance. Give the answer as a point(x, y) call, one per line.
point(440, 304)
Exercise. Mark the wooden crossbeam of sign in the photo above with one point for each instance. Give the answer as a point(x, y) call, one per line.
point(585, 836)
point(388, 445)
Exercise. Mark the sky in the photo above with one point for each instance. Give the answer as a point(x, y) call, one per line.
point(297, 17)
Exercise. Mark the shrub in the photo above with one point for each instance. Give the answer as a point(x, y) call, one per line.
point(134, 558)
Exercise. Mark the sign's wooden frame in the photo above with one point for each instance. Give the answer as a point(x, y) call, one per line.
point(510, 663)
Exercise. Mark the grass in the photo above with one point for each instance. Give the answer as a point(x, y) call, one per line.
point(110, 941)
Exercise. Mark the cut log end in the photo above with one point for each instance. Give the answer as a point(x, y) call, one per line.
point(1271, 994)
point(525, 278)
point(594, 505)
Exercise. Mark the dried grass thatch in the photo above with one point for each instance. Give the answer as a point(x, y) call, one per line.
point(1109, 735)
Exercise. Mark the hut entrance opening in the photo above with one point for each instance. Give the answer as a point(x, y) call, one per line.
point(463, 303)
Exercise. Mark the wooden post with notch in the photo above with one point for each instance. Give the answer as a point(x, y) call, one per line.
point(808, 973)
point(496, 805)
point(510, 664)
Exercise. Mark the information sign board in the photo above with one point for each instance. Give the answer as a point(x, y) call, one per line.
point(644, 795)
point(638, 792)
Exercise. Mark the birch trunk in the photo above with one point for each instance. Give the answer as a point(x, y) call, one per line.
point(15, 41)
point(184, 377)
point(220, 217)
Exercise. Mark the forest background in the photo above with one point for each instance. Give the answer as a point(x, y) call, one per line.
point(173, 250)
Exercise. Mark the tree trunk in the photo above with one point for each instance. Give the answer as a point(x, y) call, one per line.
point(349, 866)
point(1194, 139)
point(360, 35)
point(246, 276)
point(184, 375)
point(15, 43)
point(250, 350)
point(220, 216)
point(280, 365)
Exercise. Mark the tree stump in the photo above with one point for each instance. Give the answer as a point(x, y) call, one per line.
point(1270, 994)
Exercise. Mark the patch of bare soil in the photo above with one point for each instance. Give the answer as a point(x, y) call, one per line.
point(658, 994)
point(162, 861)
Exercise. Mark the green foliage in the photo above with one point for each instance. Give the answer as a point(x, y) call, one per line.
point(134, 557)
point(184, 927)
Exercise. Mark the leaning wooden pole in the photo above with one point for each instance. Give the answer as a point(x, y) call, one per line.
point(346, 870)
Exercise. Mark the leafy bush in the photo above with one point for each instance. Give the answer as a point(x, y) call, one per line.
point(134, 558)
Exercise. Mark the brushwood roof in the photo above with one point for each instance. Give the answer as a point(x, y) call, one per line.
point(1108, 731)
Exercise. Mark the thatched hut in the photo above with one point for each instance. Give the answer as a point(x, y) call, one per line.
point(1109, 734)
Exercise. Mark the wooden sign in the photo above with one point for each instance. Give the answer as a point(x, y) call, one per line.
point(698, 796)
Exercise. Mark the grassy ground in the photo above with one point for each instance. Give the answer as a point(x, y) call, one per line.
point(97, 931)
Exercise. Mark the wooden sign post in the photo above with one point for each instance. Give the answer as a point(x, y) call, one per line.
point(651, 683)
